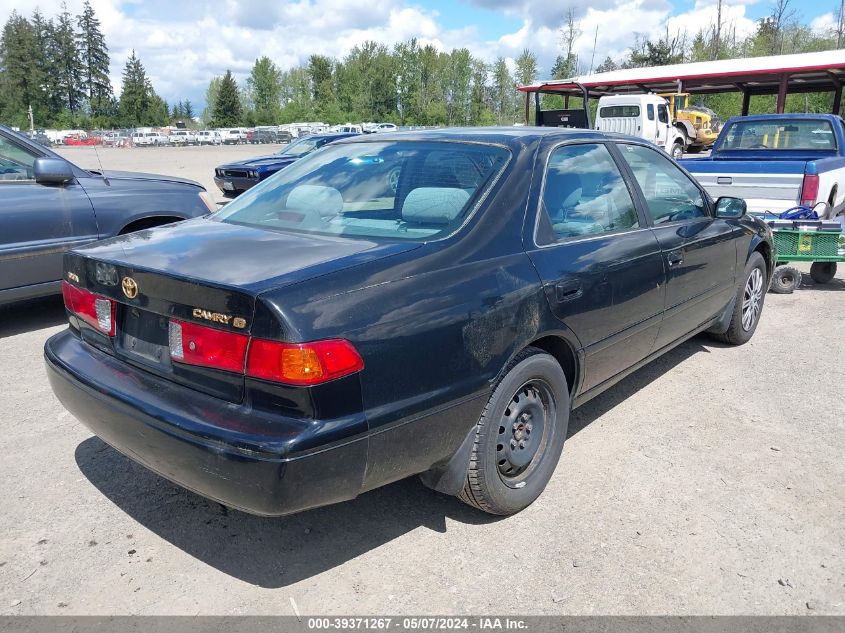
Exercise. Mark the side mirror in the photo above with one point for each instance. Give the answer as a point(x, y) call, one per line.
point(52, 171)
point(728, 208)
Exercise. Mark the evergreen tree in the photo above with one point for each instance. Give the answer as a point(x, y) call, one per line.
point(22, 77)
point(504, 92)
point(607, 65)
point(135, 97)
point(94, 58)
point(227, 106)
point(188, 110)
point(67, 63)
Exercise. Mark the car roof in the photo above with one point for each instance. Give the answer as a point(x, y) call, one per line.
point(513, 137)
point(333, 135)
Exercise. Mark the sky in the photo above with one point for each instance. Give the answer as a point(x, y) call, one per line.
point(184, 45)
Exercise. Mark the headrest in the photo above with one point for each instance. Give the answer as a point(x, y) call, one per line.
point(325, 200)
point(434, 205)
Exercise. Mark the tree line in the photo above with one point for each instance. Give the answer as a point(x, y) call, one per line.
point(60, 65)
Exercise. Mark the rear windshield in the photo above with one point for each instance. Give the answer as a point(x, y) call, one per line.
point(398, 190)
point(609, 112)
point(807, 134)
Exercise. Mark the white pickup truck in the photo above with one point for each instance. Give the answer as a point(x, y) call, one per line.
point(776, 162)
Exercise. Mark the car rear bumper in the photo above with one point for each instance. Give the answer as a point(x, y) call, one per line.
point(237, 183)
point(207, 445)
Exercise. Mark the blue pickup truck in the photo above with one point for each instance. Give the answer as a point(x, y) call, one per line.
point(777, 161)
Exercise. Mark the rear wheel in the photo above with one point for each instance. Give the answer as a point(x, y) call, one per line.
point(520, 435)
point(785, 280)
point(823, 272)
point(749, 302)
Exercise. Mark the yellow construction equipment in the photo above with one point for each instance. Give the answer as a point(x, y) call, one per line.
point(702, 124)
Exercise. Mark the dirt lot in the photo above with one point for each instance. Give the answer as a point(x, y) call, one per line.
point(710, 482)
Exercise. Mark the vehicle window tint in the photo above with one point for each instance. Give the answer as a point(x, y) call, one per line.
point(408, 190)
point(650, 111)
point(662, 113)
point(15, 162)
point(584, 193)
point(626, 111)
point(670, 195)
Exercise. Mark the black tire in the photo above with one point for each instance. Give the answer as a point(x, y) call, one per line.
point(748, 306)
point(503, 436)
point(785, 280)
point(694, 149)
point(677, 151)
point(823, 272)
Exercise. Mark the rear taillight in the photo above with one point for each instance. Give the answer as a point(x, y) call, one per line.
point(810, 190)
point(95, 310)
point(199, 345)
point(302, 363)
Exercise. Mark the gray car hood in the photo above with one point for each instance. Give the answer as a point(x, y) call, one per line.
point(133, 175)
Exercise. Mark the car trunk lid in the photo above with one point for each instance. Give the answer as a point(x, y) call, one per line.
point(203, 272)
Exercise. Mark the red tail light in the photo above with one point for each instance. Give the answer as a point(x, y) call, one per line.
point(302, 363)
point(810, 190)
point(95, 310)
point(199, 345)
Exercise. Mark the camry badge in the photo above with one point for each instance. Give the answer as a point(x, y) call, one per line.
point(130, 287)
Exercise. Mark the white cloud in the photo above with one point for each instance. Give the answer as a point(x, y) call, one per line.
point(824, 23)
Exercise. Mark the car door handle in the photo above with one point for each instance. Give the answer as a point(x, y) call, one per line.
point(568, 290)
point(675, 258)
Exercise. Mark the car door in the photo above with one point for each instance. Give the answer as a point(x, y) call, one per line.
point(601, 267)
point(662, 125)
point(699, 250)
point(37, 222)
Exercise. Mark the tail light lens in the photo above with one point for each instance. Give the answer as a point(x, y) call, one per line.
point(810, 190)
point(95, 310)
point(302, 363)
point(199, 345)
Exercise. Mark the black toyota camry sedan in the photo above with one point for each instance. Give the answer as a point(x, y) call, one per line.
point(431, 303)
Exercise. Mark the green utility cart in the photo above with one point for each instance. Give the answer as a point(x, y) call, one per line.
point(817, 241)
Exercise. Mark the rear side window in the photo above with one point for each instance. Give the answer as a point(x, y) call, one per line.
point(669, 194)
point(628, 111)
point(650, 111)
point(584, 194)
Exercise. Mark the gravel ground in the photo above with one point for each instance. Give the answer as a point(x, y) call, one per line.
point(709, 482)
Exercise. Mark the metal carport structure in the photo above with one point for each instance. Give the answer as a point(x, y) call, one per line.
point(775, 75)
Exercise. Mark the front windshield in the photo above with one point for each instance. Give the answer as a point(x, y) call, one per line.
point(302, 147)
point(400, 190)
point(793, 134)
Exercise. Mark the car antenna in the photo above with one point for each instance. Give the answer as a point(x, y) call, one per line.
point(102, 171)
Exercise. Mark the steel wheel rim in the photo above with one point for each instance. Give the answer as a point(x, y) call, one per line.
point(752, 299)
point(524, 431)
